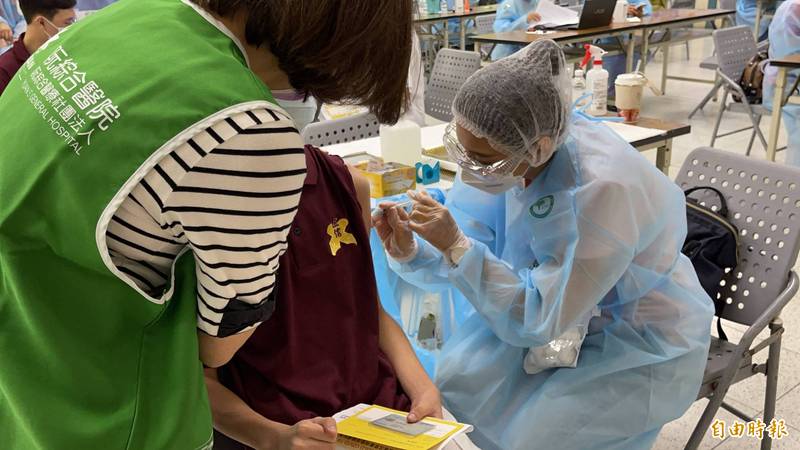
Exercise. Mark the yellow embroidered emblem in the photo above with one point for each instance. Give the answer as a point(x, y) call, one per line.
point(339, 235)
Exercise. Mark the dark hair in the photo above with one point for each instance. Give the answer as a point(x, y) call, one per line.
point(46, 8)
point(335, 50)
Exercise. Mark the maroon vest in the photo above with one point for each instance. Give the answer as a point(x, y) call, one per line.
point(318, 354)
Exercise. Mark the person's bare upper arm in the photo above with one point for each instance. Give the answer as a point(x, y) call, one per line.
point(363, 195)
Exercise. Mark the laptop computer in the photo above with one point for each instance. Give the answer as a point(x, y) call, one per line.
point(595, 13)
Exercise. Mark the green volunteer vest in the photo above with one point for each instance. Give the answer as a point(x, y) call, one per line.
point(86, 361)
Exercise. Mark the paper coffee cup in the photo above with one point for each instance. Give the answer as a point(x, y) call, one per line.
point(629, 90)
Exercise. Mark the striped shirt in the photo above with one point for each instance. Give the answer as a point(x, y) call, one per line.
point(230, 195)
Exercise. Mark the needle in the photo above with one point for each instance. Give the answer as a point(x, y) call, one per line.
point(377, 212)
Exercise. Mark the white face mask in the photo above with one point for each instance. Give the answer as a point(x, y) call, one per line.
point(302, 112)
point(494, 185)
point(58, 29)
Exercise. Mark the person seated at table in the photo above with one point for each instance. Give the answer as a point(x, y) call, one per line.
point(12, 24)
point(616, 64)
point(784, 40)
point(514, 15)
point(746, 11)
point(329, 344)
point(44, 19)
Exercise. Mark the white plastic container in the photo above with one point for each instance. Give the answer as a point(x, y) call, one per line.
point(597, 83)
point(578, 82)
point(620, 11)
point(596, 80)
point(401, 143)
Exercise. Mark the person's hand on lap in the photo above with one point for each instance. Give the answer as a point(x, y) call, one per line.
point(313, 434)
point(426, 404)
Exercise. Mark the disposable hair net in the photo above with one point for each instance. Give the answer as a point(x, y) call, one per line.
point(516, 101)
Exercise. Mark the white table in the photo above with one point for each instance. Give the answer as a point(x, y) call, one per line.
point(657, 136)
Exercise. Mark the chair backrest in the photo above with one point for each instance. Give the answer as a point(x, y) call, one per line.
point(451, 69)
point(485, 24)
point(727, 4)
point(329, 132)
point(735, 46)
point(764, 202)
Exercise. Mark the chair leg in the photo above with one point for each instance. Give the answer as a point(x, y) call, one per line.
point(761, 136)
point(705, 420)
point(753, 135)
point(773, 365)
point(688, 57)
point(711, 94)
point(719, 117)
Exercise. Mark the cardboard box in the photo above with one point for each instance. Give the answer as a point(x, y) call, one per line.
point(387, 179)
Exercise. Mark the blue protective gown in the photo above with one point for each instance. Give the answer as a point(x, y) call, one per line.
point(601, 226)
point(746, 15)
point(784, 40)
point(512, 15)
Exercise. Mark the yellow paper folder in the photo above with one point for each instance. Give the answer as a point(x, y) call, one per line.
point(359, 431)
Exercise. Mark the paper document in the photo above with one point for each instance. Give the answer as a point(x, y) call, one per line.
point(632, 133)
point(376, 427)
point(554, 16)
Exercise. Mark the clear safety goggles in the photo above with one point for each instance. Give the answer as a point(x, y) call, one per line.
point(461, 156)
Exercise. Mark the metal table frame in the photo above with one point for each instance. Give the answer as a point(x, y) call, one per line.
point(444, 18)
point(783, 66)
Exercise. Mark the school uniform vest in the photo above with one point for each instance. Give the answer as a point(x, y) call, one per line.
point(319, 352)
point(87, 360)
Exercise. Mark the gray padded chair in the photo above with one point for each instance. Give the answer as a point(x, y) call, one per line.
point(329, 132)
point(764, 204)
point(485, 25)
point(451, 69)
point(735, 46)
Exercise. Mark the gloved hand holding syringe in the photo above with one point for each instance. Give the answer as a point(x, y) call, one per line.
point(396, 224)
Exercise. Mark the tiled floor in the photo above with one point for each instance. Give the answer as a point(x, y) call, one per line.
point(748, 396)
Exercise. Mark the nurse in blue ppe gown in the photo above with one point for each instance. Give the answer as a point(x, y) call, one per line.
point(784, 40)
point(592, 235)
point(746, 15)
point(513, 15)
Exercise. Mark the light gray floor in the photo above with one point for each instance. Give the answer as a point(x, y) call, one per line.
point(680, 99)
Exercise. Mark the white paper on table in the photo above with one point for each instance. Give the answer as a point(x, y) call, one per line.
point(554, 15)
point(633, 133)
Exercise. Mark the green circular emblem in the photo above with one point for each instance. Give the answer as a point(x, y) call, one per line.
point(542, 207)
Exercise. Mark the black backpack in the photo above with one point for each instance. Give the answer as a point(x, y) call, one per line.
point(712, 244)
